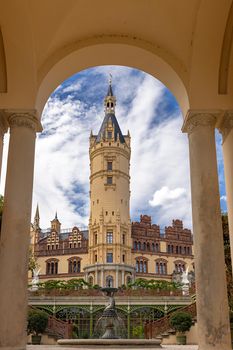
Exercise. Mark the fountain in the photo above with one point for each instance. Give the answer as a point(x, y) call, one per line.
point(110, 325)
point(110, 330)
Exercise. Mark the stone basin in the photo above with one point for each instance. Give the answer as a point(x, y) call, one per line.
point(111, 343)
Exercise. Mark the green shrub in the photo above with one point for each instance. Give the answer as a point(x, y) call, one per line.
point(37, 322)
point(181, 321)
point(138, 332)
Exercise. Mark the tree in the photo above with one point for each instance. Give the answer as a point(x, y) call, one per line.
point(37, 322)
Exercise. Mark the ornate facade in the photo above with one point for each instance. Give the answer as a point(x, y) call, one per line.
point(113, 251)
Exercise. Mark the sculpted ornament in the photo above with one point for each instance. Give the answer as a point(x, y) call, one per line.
point(226, 125)
point(197, 119)
point(24, 119)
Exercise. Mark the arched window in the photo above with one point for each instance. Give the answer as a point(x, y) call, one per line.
point(172, 248)
point(91, 280)
point(148, 246)
point(135, 245)
point(52, 267)
point(157, 247)
point(141, 265)
point(161, 267)
point(109, 281)
point(74, 265)
point(180, 250)
point(179, 266)
point(144, 246)
point(153, 247)
point(168, 248)
point(188, 250)
point(137, 266)
point(139, 245)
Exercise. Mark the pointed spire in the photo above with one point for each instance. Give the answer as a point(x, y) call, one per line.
point(110, 92)
point(56, 215)
point(110, 99)
point(37, 215)
point(37, 218)
point(110, 129)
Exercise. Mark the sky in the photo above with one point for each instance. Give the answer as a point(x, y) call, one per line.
point(160, 183)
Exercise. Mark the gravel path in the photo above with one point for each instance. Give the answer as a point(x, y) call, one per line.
point(56, 347)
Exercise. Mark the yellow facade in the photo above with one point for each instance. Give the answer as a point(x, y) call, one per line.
point(106, 254)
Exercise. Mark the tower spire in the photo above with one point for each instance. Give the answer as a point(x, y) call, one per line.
point(37, 218)
point(110, 99)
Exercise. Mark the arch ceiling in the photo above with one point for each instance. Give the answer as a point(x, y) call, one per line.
point(185, 44)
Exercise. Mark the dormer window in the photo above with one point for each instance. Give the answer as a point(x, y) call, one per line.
point(109, 134)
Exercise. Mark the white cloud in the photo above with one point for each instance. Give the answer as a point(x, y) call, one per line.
point(165, 196)
point(223, 198)
point(73, 87)
point(159, 150)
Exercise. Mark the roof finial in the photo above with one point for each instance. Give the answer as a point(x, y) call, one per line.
point(56, 215)
point(110, 78)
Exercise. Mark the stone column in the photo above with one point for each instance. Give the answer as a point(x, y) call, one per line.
point(117, 276)
point(3, 130)
point(15, 229)
point(123, 276)
point(212, 304)
point(102, 277)
point(226, 130)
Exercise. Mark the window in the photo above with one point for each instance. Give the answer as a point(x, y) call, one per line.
point(109, 180)
point(109, 237)
point(123, 238)
point(96, 238)
point(123, 258)
point(106, 213)
point(161, 267)
point(96, 259)
point(109, 257)
point(109, 166)
point(74, 265)
point(141, 265)
point(52, 267)
point(91, 280)
point(135, 245)
point(109, 134)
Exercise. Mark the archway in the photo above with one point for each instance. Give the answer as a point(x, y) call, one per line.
point(202, 123)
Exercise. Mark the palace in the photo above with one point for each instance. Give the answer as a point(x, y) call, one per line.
point(113, 251)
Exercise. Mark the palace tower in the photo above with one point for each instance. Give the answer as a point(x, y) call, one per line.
point(110, 239)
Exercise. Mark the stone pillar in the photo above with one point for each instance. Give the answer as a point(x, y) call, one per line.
point(123, 276)
point(102, 277)
point(226, 130)
point(16, 228)
point(212, 304)
point(3, 130)
point(117, 276)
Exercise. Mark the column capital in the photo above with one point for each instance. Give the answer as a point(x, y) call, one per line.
point(197, 118)
point(226, 124)
point(23, 118)
point(4, 125)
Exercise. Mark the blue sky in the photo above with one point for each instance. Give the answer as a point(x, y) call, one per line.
point(160, 184)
